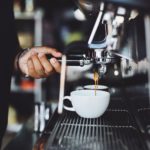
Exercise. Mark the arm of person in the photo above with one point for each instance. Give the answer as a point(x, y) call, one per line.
point(33, 62)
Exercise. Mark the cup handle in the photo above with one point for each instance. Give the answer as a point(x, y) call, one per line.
point(66, 107)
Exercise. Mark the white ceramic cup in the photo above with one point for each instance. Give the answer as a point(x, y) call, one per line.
point(88, 105)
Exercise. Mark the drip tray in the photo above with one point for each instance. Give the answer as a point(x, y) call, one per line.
point(144, 114)
point(113, 131)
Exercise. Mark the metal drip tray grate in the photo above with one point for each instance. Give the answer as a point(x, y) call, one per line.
point(144, 114)
point(105, 133)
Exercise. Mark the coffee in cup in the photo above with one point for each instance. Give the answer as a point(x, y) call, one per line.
point(98, 87)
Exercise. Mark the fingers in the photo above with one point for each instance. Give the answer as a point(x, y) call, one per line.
point(50, 66)
point(31, 69)
point(46, 64)
point(39, 66)
point(35, 68)
point(46, 50)
point(34, 62)
point(55, 64)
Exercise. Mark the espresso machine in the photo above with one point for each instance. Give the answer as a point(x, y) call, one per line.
point(120, 37)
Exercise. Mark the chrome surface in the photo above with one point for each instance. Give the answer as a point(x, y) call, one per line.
point(115, 130)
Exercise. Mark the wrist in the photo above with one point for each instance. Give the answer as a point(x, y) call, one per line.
point(17, 59)
point(17, 67)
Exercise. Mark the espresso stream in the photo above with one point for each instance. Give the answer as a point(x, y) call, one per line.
point(96, 78)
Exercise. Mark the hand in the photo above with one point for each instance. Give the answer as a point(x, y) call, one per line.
point(34, 63)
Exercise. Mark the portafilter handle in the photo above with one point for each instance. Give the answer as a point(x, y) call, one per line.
point(77, 53)
point(74, 60)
